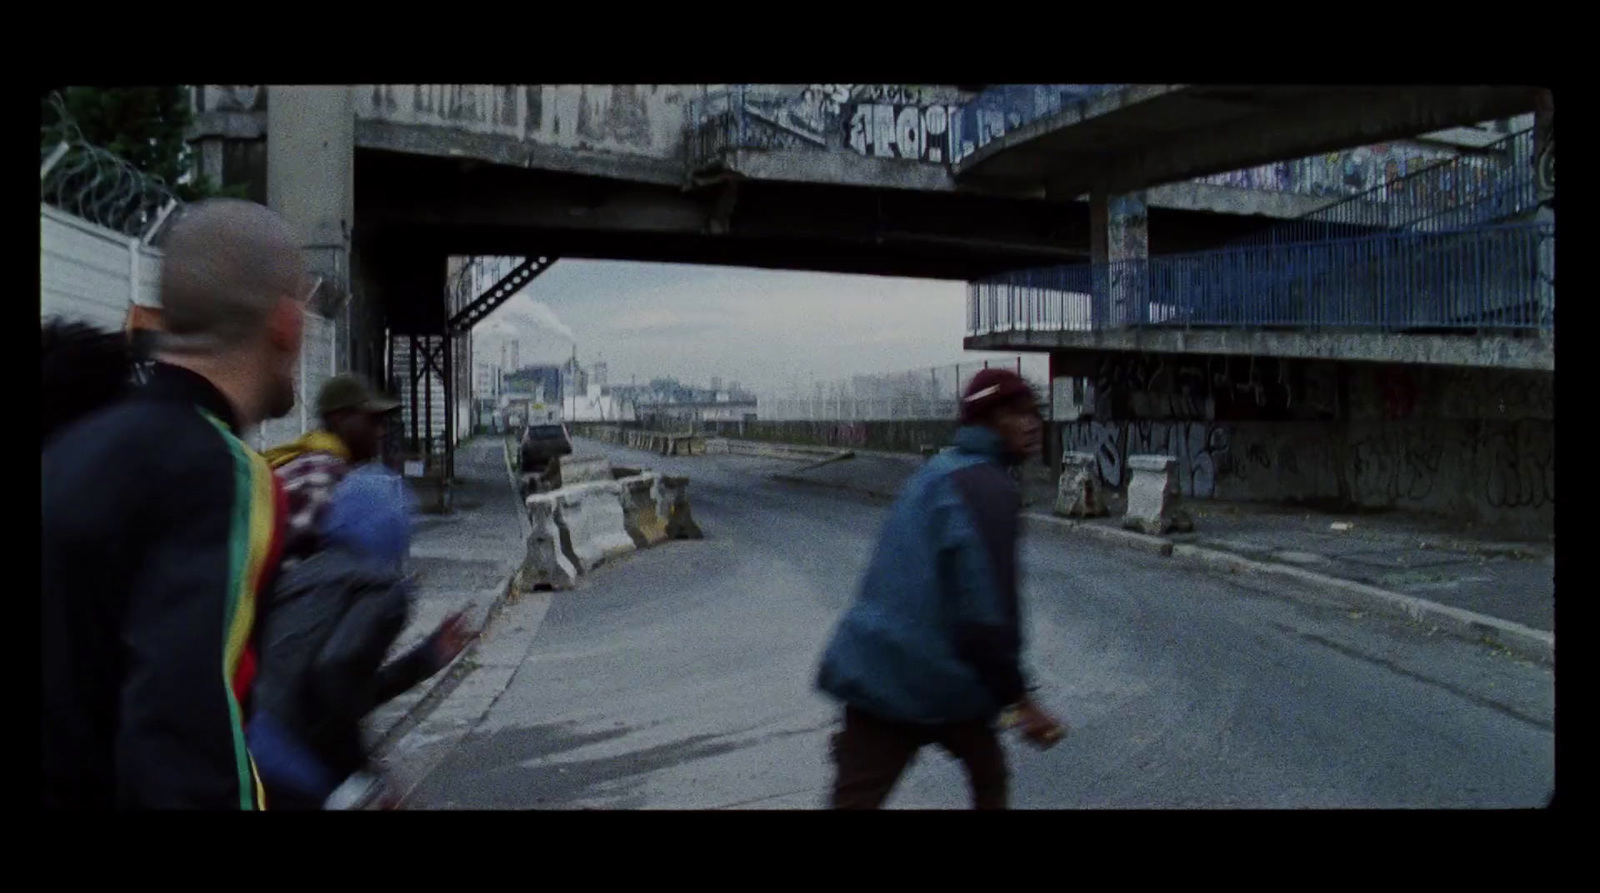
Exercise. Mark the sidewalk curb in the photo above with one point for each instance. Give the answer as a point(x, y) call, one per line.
point(1522, 640)
point(1114, 535)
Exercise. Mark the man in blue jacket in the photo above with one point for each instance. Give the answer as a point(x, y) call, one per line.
point(930, 652)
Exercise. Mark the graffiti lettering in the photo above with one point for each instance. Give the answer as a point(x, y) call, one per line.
point(1202, 388)
point(1519, 461)
point(1202, 450)
point(890, 131)
point(1395, 465)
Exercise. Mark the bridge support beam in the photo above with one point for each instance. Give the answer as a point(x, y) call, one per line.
point(1119, 246)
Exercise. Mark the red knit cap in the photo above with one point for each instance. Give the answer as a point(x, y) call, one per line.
point(991, 389)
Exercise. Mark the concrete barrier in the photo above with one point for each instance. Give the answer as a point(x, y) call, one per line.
point(1078, 492)
point(546, 565)
point(672, 504)
point(1153, 497)
point(641, 518)
point(591, 516)
point(584, 469)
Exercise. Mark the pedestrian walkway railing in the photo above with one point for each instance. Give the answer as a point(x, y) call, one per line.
point(1495, 184)
point(1495, 277)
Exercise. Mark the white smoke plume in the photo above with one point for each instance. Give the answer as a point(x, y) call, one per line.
point(526, 318)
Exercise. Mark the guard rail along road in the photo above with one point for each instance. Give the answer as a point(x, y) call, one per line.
point(687, 444)
point(660, 442)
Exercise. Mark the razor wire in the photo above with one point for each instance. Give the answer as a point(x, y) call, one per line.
point(96, 185)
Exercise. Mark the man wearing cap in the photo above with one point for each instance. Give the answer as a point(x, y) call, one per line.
point(310, 468)
point(930, 652)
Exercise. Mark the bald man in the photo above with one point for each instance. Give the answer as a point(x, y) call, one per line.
point(161, 528)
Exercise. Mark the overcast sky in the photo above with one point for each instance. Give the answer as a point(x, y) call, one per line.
point(768, 330)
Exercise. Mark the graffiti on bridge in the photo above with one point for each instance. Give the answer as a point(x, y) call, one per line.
point(886, 120)
point(919, 133)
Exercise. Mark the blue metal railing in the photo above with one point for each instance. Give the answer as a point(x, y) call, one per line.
point(1488, 277)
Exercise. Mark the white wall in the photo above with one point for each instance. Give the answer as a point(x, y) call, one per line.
point(90, 273)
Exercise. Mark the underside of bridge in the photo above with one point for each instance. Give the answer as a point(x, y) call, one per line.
point(415, 211)
point(1147, 135)
point(468, 208)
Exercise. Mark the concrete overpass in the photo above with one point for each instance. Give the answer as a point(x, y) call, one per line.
point(609, 172)
point(1146, 135)
point(386, 181)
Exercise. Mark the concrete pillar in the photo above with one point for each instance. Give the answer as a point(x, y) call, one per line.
point(1119, 246)
point(311, 176)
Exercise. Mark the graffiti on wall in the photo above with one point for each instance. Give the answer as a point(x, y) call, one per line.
point(1518, 460)
point(1396, 464)
point(1158, 386)
point(616, 113)
point(1387, 170)
point(1499, 466)
point(918, 133)
point(1201, 448)
point(886, 120)
point(1336, 173)
point(1487, 469)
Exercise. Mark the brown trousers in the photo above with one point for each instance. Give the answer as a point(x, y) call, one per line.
point(870, 754)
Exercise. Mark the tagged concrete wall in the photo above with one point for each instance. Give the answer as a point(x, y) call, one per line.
point(629, 119)
point(1470, 444)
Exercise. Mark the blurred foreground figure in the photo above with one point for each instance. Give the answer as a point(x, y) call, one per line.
point(332, 619)
point(82, 369)
point(354, 422)
point(160, 528)
point(930, 652)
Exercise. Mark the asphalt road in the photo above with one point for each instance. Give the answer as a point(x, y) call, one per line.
point(681, 678)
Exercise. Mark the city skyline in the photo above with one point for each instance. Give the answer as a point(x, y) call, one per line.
point(774, 332)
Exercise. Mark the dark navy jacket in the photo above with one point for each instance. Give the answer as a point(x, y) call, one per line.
point(934, 635)
point(159, 529)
